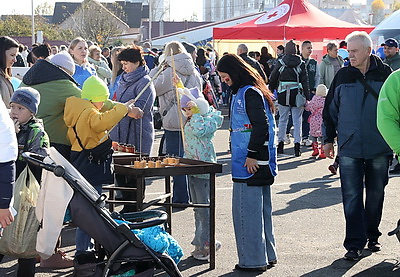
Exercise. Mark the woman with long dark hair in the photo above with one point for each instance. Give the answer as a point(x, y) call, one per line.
point(8, 56)
point(253, 163)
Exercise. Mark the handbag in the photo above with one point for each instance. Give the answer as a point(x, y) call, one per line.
point(300, 99)
point(19, 238)
point(100, 153)
point(157, 119)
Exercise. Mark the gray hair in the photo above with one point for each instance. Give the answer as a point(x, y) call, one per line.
point(243, 47)
point(361, 35)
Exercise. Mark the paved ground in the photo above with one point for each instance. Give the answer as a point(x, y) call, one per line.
point(308, 220)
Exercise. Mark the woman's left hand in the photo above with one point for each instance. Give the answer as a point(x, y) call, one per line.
point(252, 165)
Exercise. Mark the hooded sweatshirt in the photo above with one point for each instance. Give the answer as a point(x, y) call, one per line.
point(187, 72)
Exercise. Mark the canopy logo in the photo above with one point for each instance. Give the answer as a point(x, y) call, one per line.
point(273, 14)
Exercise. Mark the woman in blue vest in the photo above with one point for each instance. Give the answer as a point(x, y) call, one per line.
point(253, 163)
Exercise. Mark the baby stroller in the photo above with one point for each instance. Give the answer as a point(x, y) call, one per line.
point(121, 251)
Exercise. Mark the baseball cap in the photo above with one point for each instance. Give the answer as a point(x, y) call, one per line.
point(391, 42)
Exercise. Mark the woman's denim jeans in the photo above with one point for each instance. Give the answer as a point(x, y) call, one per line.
point(297, 117)
point(200, 194)
point(83, 239)
point(252, 222)
point(174, 146)
point(362, 221)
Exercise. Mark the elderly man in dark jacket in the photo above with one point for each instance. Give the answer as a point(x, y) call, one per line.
point(289, 77)
point(350, 115)
point(242, 51)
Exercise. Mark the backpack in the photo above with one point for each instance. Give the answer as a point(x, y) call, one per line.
point(291, 93)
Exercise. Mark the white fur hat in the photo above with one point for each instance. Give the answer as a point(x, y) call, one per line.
point(64, 60)
point(321, 90)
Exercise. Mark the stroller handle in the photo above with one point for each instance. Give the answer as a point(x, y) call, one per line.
point(38, 160)
point(146, 218)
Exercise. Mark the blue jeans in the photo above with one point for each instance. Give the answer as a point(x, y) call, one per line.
point(200, 194)
point(252, 222)
point(174, 146)
point(83, 239)
point(362, 221)
point(283, 122)
point(305, 126)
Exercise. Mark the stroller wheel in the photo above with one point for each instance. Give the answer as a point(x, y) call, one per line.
point(396, 231)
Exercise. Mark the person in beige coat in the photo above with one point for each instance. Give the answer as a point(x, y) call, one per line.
point(175, 54)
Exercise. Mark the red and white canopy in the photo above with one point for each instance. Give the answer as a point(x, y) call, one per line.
point(292, 19)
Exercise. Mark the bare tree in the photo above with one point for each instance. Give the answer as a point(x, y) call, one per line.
point(93, 21)
point(159, 10)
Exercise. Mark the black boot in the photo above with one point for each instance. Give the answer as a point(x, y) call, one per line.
point(297, 151)
point(280, 148)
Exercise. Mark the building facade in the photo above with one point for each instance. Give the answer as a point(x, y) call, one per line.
point(216, 10)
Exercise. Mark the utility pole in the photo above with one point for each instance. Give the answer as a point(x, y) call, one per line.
point(33, 24)
point(150, 19)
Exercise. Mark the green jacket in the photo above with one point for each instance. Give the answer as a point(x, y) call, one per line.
point(388, 118)
point(54, 86)
point(327, 72)
point(393, 62)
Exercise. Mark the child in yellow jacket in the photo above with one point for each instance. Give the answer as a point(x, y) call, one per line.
point(88, 120)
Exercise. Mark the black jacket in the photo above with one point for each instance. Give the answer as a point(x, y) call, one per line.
point(350, 111)
point(289, 75)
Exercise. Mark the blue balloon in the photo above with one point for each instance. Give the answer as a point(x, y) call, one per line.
point(15, 82)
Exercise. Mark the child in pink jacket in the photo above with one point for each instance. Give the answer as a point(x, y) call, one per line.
point(316, 106)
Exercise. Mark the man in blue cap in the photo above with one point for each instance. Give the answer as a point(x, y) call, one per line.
point(391, 50)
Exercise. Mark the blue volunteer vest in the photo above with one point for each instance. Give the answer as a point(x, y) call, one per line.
point(241, 131)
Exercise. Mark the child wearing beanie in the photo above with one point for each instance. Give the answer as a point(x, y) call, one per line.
point(316, 106)
point(89, 120)
point(31, 138)
point(199, 130)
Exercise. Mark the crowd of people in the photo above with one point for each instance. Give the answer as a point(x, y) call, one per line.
point(80, 98)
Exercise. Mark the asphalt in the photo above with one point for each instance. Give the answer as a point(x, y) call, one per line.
point(308, 221)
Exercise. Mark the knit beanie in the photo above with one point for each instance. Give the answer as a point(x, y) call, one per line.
point(95, 90)
point(190, 48)
point(321, 90)
point(27, 97)
point(290, 48)
point(185, 98)
point(64, 60)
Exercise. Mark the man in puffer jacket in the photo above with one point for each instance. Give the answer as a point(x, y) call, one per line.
point(289, 78)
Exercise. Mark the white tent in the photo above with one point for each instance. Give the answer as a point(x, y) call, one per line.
point(202, 33)
point(388, 28)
